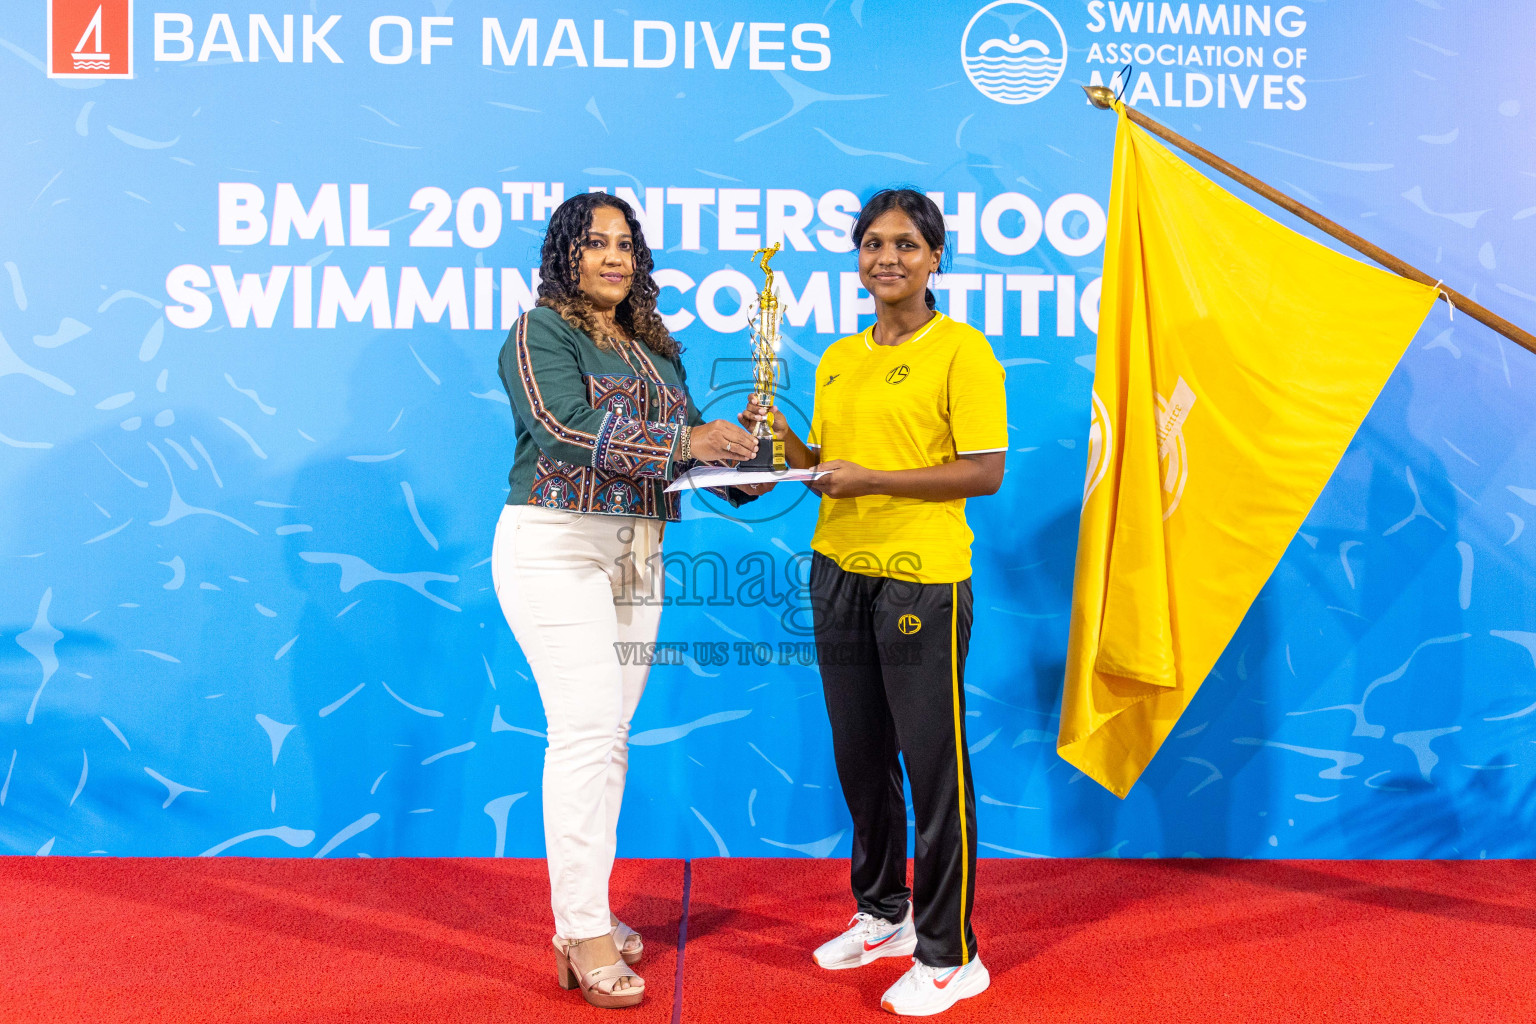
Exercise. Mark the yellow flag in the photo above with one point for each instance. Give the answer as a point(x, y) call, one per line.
point(1236, 359)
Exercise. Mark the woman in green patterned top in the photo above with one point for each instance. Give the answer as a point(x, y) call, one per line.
point(604, 421)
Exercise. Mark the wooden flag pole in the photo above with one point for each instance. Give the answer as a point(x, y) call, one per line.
point(1104, 99)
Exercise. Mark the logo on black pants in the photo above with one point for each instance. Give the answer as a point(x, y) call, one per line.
point(909, 624)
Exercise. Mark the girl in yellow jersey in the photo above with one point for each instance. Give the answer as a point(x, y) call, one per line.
point(909, 421)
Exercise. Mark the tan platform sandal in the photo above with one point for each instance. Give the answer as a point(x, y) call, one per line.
point(631, 948)
point(597, 985)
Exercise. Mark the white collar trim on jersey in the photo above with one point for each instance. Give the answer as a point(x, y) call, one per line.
point(869, 333)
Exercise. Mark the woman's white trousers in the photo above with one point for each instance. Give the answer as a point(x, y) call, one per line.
point(574, 587)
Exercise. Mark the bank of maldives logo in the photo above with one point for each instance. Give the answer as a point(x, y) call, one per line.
point(90, 38)
point(1014, 51)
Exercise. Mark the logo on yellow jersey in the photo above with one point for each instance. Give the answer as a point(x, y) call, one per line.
point(898, 374)
point(909, 624)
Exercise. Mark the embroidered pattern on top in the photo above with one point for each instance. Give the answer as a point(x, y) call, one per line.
point(634, 441)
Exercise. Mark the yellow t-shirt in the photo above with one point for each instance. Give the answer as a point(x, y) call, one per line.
point(925, 402)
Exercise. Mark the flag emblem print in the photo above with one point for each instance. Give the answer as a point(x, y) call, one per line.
point(1101, 443)
point(90, 38)
point(1172, 453)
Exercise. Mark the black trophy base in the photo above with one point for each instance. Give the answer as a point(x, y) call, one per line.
point(770, 455)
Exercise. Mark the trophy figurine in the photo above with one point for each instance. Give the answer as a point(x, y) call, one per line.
point(765, 358)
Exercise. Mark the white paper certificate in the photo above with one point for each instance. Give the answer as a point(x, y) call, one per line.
point(722, 476)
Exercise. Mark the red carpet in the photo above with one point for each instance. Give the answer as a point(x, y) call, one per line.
point(424, 941)
point(239, 941)
point(1154, 942)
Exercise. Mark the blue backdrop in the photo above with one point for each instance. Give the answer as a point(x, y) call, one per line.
point(245, 521)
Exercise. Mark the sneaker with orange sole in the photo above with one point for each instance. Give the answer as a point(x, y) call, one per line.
point(924, 991)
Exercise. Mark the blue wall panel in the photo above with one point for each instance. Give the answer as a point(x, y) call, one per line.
point(245, 596)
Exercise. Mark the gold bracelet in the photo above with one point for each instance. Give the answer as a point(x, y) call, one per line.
point(685, 444)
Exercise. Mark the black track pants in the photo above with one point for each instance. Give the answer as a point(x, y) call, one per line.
point(892, 657)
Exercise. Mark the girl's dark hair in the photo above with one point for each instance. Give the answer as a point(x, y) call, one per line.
point(560, 275)
point(922, 211)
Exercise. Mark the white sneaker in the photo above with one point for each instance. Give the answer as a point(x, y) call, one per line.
point(924, 991)
point(867, 940)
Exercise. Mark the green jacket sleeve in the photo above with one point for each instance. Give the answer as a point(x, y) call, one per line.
point(540, 371)
point(695, 418)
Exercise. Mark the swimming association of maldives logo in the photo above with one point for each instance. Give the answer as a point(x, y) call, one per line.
point(1014, 51)
point(90, 38)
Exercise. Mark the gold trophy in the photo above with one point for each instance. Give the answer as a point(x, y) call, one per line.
point(765, 358)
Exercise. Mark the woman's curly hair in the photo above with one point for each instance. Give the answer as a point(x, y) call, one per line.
point(560, 275)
